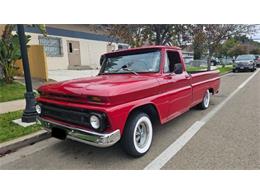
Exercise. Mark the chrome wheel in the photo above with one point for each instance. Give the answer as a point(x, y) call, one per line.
point(206, 99)
point(138, 134)
point(143, 134)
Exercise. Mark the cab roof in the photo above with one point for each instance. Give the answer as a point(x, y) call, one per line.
point(144, 48)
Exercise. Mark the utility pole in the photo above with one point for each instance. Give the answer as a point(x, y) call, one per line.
point(29, 114)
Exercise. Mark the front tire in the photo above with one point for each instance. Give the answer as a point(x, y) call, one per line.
point(235, 70)
point(138, 134)
point(205, 101)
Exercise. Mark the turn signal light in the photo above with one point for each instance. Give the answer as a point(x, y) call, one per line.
point(94, 99)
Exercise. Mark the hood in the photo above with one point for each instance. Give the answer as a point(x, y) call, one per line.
point(115, 87)
point(243, 61)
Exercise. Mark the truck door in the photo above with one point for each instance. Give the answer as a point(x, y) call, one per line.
point(179, 86)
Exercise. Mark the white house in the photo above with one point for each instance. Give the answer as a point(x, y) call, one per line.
point(73, 46)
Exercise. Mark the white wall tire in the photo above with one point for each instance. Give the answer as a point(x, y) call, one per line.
point(205, 101)
point(138, 134)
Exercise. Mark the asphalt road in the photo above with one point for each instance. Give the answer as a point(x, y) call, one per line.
point(229, 140)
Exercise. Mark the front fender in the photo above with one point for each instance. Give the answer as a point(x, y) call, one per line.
point(118, 115)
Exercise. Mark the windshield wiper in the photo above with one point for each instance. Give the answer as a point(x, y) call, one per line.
point(125, 68)
point(129, 70)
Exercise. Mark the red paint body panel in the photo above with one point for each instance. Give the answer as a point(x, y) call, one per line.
point(171, 95)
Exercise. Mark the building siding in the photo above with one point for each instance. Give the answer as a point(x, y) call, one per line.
point(92, 46)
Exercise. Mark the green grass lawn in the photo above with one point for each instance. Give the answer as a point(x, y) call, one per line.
point(227, 68)
point(222, 70)
point(196, 68)
point(9, 130)
point(12, 91)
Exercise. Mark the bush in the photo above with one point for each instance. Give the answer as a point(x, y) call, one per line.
point(9, 54)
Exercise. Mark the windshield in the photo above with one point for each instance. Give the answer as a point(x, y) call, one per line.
point(245, 57)
point(136, 62)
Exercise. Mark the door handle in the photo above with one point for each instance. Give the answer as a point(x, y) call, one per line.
point(168, 76)
point(187, 76)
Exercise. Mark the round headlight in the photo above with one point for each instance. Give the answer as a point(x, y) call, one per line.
point(38, 109)
point(94, 121)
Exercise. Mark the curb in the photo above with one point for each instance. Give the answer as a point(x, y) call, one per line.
point(13, 145)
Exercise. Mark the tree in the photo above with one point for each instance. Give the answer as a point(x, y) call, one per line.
point(224, 49)
point(152, 34)
point(9, 54)
point(242, 39)
point(238, 49)
point(206, 38)
point(255, 51)
point(238, 45)
point(198, 41)
point(168, 34)
point(10, 50)
point(127, 33)
point(214, 34)
point(182, 35)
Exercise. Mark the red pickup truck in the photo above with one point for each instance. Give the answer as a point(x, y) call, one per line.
point(134, 88)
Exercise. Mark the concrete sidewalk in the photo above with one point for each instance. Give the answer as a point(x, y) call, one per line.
point(12, 106)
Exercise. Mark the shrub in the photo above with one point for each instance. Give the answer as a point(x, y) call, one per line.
point(9, 53)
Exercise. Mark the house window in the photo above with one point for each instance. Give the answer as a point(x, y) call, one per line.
point(52, 46)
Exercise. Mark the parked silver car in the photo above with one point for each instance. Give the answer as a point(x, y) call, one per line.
point(244, 63)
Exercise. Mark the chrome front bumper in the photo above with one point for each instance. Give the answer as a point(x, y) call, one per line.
point(89, 137)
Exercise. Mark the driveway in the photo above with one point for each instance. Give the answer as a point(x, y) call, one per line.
point(62, 75)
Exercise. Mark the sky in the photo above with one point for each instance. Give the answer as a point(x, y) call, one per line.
point(256, 36)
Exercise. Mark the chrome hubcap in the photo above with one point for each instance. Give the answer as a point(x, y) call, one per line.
point(206, 99)
point(141, 135)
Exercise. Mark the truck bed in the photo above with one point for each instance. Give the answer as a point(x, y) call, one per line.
point(200, 81)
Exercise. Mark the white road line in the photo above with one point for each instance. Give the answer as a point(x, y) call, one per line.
point(176, 146)
point(207, 117)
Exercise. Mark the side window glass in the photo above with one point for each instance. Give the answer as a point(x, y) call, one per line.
point(166, 64)
point(173, 60)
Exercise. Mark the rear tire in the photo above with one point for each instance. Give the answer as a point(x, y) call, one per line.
point(205, 101)
point(137, 136)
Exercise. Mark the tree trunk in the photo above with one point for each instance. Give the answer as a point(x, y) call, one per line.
point(223, 65)
point(197, 54)
point(209, 60)
point(2, 28)
point(158, 39)
point(157, 29)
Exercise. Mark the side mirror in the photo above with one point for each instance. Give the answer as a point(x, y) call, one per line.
point(178, 68)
